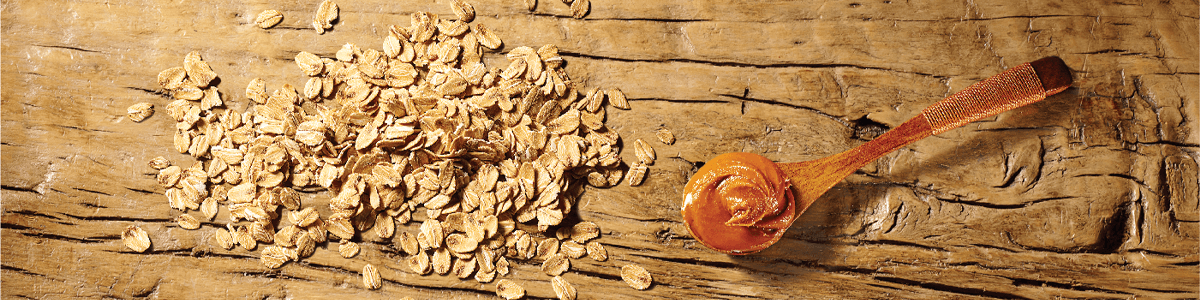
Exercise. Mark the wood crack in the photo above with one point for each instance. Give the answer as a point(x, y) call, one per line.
point(658, 20)
point(19, 189)
point(91, 191)
point(160, 93)
point(793, 106)
point(1065, 286)
point(118, 218)
point(949, 288)
point(1023, 204)
point(141, 191)
point(743, 64)
point(20, 270)
point(80, 128)
point(67, 48)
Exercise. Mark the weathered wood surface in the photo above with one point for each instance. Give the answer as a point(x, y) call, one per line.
point(1088, 194)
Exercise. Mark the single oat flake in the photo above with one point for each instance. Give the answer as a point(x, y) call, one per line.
point(573, 250)
point(617, 99)
point(637, 173)
point(141, 111)
point(223, 239)
point(636, 277)
point(509, 290)
point(326, 14)
point(268, 18)
point(596, 251)
point(644, 152)
point(370, 277)
point(665, 136)
point(188, 222)
point(563, 289)
point(556, 265)
point(135, 238)
point(348, 249)
point(579, 8)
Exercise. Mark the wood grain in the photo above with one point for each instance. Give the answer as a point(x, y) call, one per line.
point(1092, 193)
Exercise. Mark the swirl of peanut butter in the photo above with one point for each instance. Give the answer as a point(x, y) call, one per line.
point(738, 203)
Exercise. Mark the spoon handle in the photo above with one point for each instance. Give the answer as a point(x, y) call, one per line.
point(1024, 84)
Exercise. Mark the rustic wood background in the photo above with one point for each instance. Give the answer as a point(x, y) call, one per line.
point(1089, 194)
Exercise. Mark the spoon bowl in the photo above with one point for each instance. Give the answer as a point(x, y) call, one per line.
point(729, 205)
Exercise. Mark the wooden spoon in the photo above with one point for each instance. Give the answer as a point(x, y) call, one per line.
point(741, 203)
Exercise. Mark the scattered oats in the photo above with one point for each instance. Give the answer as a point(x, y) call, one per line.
point(141, 111)
point(547, 248)
point(223, 239)
point(463, 268)
point(159, 163)
point(385, 226)
point(169, 176)
point(433, 234)
point(268, 18)
point(257, 91)
point(242, 236)
point(347, 248)
point(188, 222)
point(636, 174)
point(135, 238)
point(579, 8)
point(556, 265)
point(594, 100)
point(596, 251)
point(197, 70)
point(463, 10)
point(408, 243)
point(441, 261)
point(531, 5)
point(209, 208)
point(636, 277)
point(461, 243)
point(305, 244)
point(172, 78)
point(563, 232)
point(563, 289)
point(509, 290)
point(421, 127)
point(312, 88)
point(502, 266)
point(486, 37)
point(342, 228)
point(275, 256)
point(645, 153)
point(326, 14)
point(419, 263)
point(371, 277)
point(260, 232)
point(665, 136)
point(485, 276)
point(309, 63)
point(287, 235)
point(617, 99)
point(572, 249)
point(189, 93)
point(584, 231)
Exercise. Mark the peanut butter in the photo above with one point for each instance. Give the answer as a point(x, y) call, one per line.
point(738, 203)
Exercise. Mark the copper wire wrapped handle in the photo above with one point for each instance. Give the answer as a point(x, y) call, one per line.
point(1010, 89)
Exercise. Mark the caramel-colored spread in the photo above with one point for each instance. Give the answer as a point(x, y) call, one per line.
point(738, 203)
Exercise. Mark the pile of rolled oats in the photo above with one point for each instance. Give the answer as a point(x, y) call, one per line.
point(490, 159)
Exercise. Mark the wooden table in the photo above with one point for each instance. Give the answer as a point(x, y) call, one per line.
point(1089, 194)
